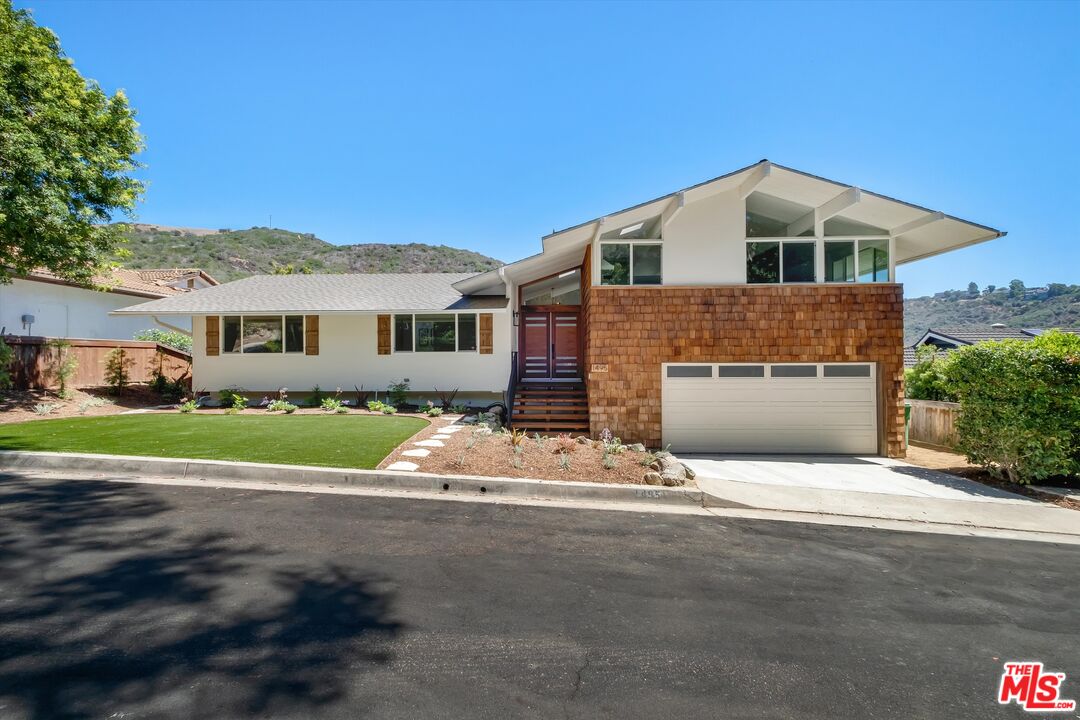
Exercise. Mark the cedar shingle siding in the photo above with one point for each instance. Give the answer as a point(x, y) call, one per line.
point(633, 330)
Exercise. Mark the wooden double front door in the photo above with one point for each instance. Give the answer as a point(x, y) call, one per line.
point(550, 343)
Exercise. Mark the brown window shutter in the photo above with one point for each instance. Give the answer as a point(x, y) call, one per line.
point(311, 334)
point(213, 335)
point(384, 334)
point(486, 343)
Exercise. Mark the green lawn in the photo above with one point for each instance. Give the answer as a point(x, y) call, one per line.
point(352, 441)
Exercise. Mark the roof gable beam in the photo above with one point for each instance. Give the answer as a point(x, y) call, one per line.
point(756, 177)
point(823, 212)
point(677, 204)
point(916, 223)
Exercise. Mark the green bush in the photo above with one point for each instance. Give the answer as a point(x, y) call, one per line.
point(1019, 405)
point(6, 356)
point(374, 406)
point(927, 380)
point(188, 406)
point(178, 341)
point(398, 392)
point(229, 395)
point(331, 404)
point(117, 367)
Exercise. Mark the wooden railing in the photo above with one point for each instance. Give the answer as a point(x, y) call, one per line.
point(32, 366)
point(511, 386)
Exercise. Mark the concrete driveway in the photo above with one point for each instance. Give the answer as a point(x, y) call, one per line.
point(870, 487)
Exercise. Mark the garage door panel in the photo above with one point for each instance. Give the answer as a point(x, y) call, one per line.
point(772, 414)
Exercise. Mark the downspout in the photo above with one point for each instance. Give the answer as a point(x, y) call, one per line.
point(174, 328)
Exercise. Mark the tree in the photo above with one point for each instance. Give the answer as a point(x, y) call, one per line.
point(66, 157)
point(990, 289)
point(117, 365)
point(1016, 289)
point(62, 365)
point(973, 289)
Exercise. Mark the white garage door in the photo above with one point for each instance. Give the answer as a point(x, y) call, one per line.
point(770, 407)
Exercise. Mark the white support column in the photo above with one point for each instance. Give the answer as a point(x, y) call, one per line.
point(595, 243)
point(819, 248)
point(892, 258)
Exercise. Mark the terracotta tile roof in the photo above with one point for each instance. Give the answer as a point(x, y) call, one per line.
point(152, 282)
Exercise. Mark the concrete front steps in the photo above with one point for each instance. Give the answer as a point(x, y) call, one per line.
point(550, 408)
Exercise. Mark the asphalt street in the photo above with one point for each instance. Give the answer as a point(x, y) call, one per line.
point(147, 601)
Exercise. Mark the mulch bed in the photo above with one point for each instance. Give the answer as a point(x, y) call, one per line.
point(492, 456)
point(956, 464)
point(18, 406)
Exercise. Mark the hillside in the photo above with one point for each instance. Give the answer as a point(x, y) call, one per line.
point(1055, 306)
point(232, 254)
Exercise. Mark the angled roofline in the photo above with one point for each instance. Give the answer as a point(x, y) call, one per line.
point(766, 161)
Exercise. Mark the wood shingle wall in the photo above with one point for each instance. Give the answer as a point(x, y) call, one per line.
point(631, 331)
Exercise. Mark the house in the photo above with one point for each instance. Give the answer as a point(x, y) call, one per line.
point(45, 305)
point(952, 337)
point(755, 312)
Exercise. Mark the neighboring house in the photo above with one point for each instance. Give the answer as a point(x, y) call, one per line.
point(756, 312)
point(952, 337)
point(45, 305)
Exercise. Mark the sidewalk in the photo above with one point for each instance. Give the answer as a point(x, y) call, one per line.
point(871, 487)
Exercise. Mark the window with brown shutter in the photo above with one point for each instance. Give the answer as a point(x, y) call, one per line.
point(213, 335)
point(311, 334)
point(384, 334)
point(486, 342)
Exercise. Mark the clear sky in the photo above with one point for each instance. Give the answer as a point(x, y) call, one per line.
point(485, 126)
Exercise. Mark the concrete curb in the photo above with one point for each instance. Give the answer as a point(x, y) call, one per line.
point(211, 470)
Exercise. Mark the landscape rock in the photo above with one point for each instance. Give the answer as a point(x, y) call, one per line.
point(653, 478)
point(689, 471)
point(672, 479)
point(637, 447)
point(656, 466)
point(583, 440)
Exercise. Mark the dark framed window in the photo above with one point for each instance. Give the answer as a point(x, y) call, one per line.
point(763, 262)
point(230, 336)
point(403, 333)
point(466, 336)
point(262, 334)
point(631, 263)
point(773, 261)
point(294, 333)
point(435, 333)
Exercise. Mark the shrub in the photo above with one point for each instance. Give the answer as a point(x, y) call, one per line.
point(459, 409)
point(169, 338)
point(1020, 405)
point(611, 443)
point(565, 444)
point(342, 410)
point(315, 397)
point(278, 405)
point(398, 392)
point(62, 365)
point(228, 396)
point(331, 404)
point(928, 379)
point(44, 408)
point(388, 409)
point(564, 461)
point(91, 402)
point(447, 398)
point(188, 406)
point(7, 355)
point(517, 438)
point(375, 406)
point(361, 396)
point(239, 402)
point(609, 461)
point(289, 408)
point(434, 411)
point(117, 364)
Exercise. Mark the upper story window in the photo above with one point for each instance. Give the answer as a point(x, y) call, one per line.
point(632, 255)
point(435, 333)
point(261, 334)
point(561, 289)
point(782, 245)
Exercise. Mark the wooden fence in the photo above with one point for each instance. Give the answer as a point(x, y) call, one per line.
point(933, 423)
point(34, 360)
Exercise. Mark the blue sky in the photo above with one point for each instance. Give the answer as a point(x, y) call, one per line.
point(485, 126)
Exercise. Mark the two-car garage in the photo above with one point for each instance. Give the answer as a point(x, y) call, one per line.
point(770, 407)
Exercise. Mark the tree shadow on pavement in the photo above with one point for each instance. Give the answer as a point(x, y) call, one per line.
point(110, 605)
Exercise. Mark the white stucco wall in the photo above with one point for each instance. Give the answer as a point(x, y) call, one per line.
point(348, 356)
point(64, 311)
point(705, 244)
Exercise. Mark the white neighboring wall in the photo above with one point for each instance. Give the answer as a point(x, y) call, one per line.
point(348, 356)
point(65, 311)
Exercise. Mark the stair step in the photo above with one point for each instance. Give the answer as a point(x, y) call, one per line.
point(529, 417)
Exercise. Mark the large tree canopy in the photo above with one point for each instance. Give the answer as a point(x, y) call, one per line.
point(66, 157)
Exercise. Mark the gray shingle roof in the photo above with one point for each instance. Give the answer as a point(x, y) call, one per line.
point(322, 293)
point(971, 334)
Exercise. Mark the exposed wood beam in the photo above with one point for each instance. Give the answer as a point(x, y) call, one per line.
point(823, 212)
point(599, 229)
point(756, 177)
point(676, 206)
point(917, 223)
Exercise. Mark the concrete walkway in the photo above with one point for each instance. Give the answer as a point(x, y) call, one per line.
point(870, 487)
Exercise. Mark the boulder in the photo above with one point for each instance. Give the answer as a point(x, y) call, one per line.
point(656, 466)
point(637, 447)
point(672, 480)
point(689, 471)
point(653, 478)
point(583, 440)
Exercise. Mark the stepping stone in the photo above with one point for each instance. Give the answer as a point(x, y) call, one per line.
point(429, 443)
point(451, 429)
point(402, 465)
point(441, 437)
point(420, 452)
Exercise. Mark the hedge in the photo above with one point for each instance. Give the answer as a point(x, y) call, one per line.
point(1019, 405)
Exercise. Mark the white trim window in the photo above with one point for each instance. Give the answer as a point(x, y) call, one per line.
point(857, 259)
point(772, 260)
point(631, 263)
point(435, 332)
point(262, 334)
